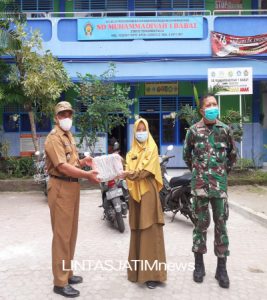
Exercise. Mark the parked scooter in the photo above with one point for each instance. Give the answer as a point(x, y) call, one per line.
point(41, 176)
point(175, 195)
point(115, 196)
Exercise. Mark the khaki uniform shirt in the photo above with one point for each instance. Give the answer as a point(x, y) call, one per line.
point(60, 147)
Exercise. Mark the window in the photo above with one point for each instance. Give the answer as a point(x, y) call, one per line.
point(86, 5)
point(157, 111)
point(35, 5)
point(10, 122)
point(19, 122)
point(153, 122)
point(169, 4)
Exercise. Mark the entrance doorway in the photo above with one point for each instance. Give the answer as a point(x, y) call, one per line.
point(118, 134)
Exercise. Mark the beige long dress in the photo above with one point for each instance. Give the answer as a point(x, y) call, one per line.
point(147, 259)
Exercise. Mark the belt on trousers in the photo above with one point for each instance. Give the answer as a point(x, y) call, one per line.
point(70, 179)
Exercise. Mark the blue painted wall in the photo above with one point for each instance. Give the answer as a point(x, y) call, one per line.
point(140, 60)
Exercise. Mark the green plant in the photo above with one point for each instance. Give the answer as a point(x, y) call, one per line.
point(8, 37)
point(4, 147)
point(26, 166)
point(3, 175)
point(233, 120)
point(248, 177)
point(37, 79)
point(106, 105)
point(244, 164)
point(189, 114)
point(18, 167)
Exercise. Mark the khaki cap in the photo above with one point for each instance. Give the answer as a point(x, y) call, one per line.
point(63, 105)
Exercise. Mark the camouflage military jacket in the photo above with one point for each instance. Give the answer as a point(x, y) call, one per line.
point(210, 154)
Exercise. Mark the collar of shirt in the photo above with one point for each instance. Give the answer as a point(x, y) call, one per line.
point(201, 124)
point(61, 131)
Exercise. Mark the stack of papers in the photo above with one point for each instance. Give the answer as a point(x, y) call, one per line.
point(108, 166)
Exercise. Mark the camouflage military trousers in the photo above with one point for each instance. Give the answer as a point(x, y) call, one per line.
point(220, 215)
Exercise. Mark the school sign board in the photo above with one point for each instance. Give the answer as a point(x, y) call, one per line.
point(131, 28)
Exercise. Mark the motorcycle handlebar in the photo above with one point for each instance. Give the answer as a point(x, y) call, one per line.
point(165, 158)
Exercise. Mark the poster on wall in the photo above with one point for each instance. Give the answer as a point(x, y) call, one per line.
point(231, 45)
point(161, 88)
point(231, 81)
point(228, 4)
point(26, 144)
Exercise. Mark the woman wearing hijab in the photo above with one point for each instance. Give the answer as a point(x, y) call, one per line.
point(147, 260)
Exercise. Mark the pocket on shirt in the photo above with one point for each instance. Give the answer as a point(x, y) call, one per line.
point(220, 151)
point(199, 151)
point(68, 152)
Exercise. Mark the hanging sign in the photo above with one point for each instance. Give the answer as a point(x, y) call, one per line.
point(132, 28)
point(230, 81)
point(161, 88)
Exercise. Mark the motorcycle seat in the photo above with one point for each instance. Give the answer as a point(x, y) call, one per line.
point(181, 180)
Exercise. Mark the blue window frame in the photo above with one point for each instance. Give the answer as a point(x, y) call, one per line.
point(157, 112)
point(20, 122)
point(100, 5)
point(169, 4)
point(138, 5)
point(35, 5)
point(10, 122)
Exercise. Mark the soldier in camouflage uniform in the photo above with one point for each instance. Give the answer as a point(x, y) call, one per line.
point(209, 152)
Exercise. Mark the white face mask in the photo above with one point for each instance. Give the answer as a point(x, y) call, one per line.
point(65, 124)
point(141, 136)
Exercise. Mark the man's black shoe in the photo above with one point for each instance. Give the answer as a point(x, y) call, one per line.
point(75, 279)
point(199, 271)
point(151, 284)
point(66, 291)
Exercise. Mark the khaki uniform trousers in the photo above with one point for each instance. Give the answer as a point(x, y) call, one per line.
point(63, 201)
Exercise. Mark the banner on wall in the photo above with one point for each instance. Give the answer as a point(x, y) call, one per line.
point(230, 45)
point(131, 28)
point(228, 4)
point(231, 81)
point(161, 88)
point(26, 144)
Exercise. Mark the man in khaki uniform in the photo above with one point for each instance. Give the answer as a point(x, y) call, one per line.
point(64, 168)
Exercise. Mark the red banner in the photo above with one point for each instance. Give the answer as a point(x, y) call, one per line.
point(231, 45)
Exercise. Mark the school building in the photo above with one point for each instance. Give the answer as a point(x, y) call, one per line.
point(161, 48)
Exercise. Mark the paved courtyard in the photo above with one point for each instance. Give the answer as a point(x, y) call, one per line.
point(101, 253)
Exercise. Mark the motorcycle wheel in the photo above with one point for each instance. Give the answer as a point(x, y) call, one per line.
point(162, 196)
point(120, 222)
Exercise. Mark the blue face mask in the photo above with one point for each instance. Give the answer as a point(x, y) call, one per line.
point(211, 113)
point(141, 136)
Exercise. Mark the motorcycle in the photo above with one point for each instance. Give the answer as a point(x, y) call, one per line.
point(176, 194)
point(41, 176)
point(115, 196)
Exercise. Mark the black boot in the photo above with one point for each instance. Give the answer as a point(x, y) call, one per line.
point(221, 273)
point(199, 271)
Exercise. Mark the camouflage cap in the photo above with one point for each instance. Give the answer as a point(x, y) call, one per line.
point(63, 105)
